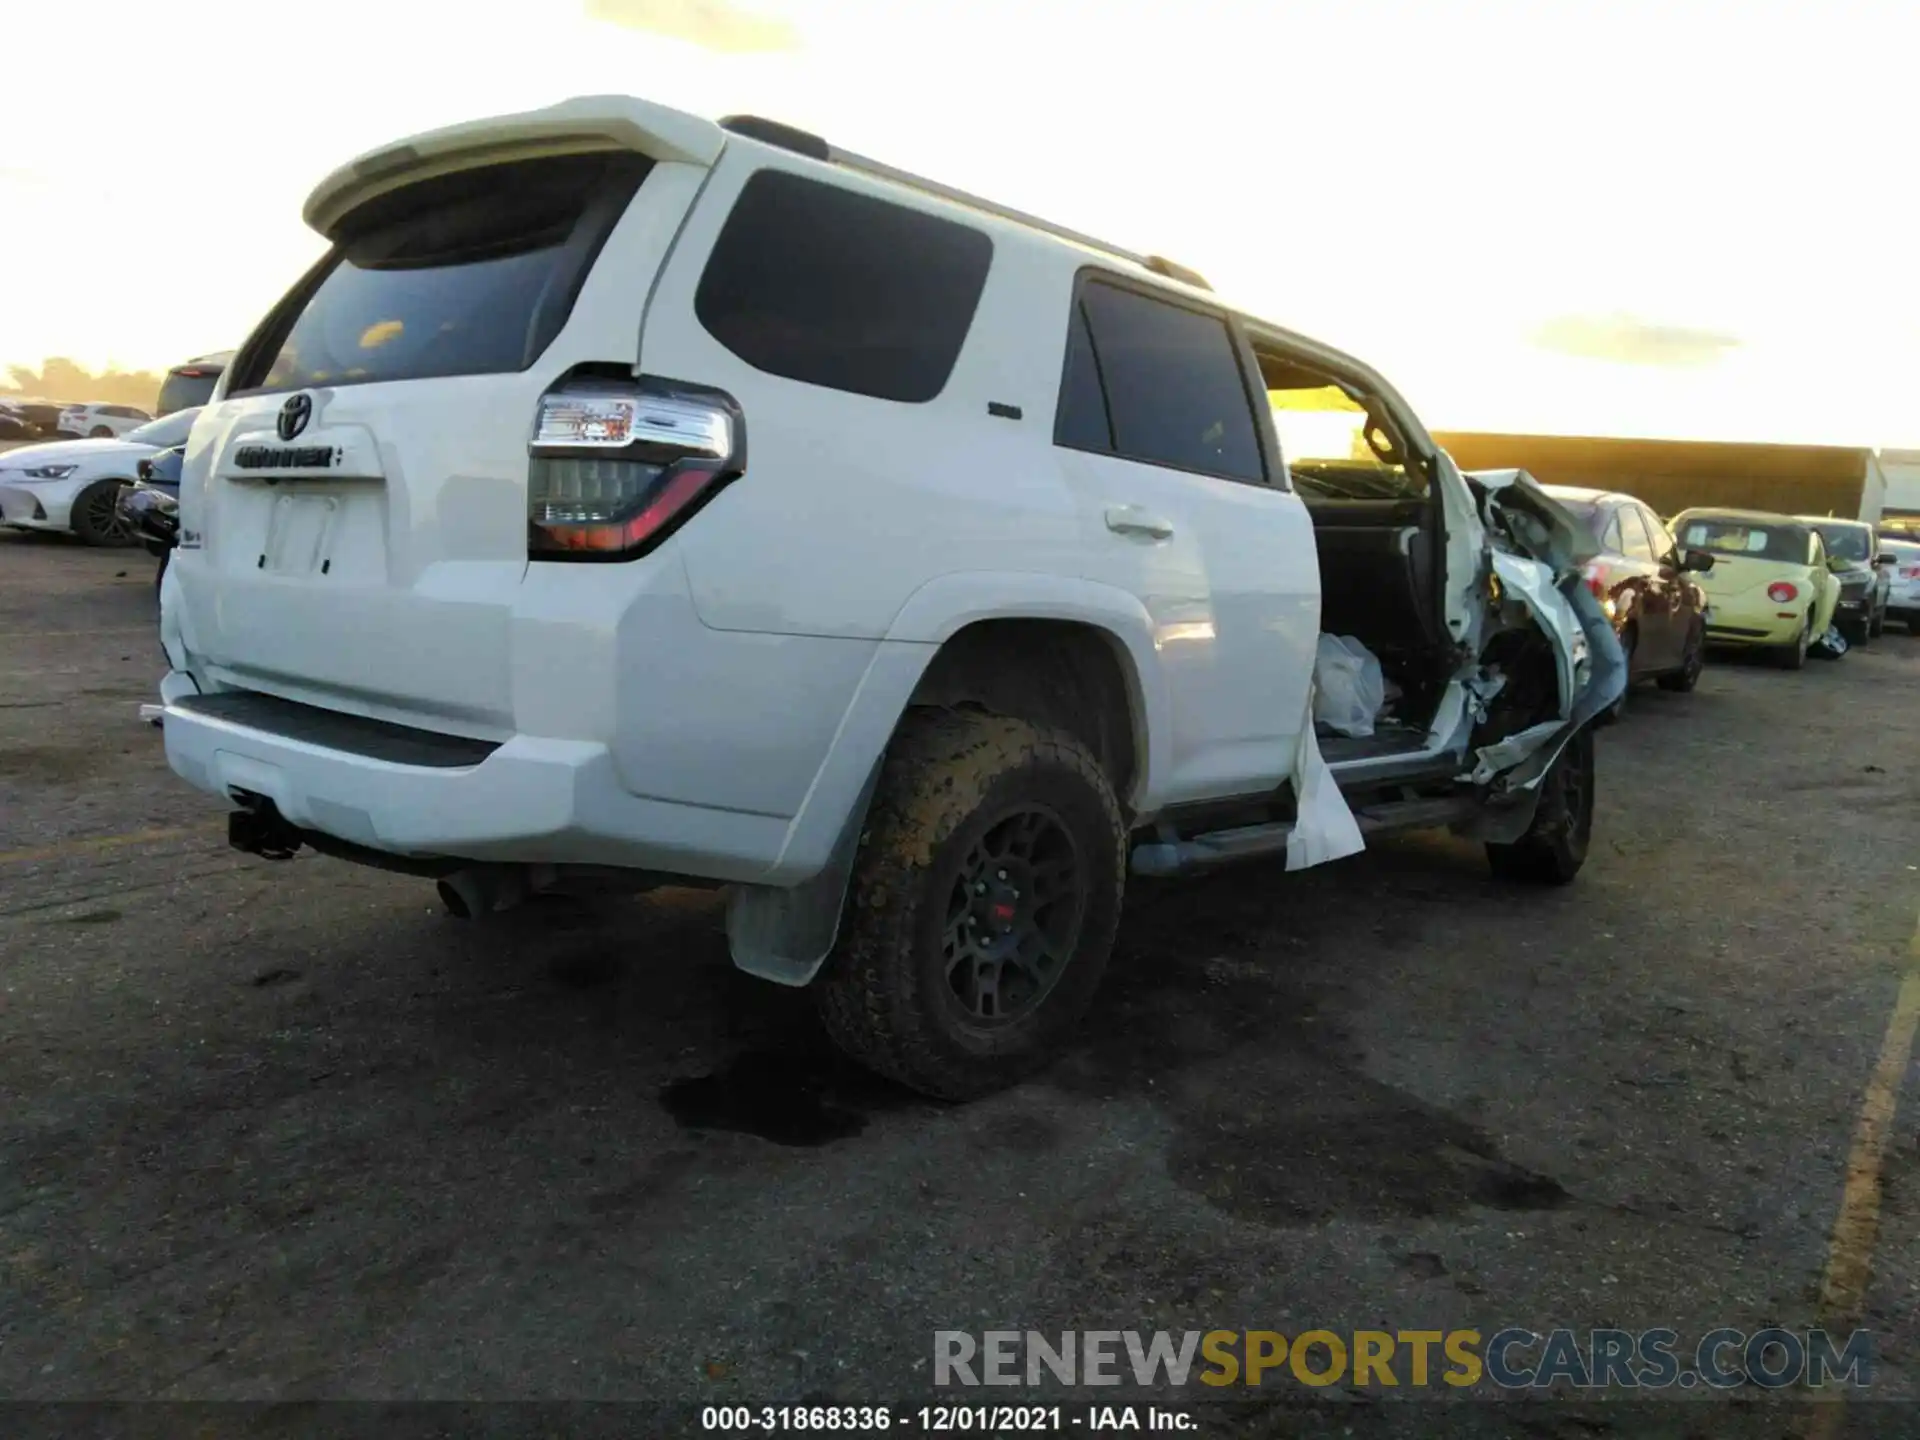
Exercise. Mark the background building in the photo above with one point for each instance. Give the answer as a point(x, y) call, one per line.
point(1671, 475)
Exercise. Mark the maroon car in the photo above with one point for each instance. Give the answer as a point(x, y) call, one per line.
point(1643, 581)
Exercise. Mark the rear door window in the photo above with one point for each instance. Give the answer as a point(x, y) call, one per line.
point(1634, 540)
point(471, 273)
point(833, 287)
point(1657, 532)
point(1082, 422)
point(1174, 390)
point(1610, 534)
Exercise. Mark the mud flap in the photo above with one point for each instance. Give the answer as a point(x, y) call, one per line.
point(785, 933)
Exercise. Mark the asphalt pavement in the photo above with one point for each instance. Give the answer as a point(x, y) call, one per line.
point(285, 1132)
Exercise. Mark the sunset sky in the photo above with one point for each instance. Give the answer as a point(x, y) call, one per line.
point(1654, 217)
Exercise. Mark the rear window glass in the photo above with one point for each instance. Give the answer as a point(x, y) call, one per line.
point(817, 283)
point(1847, 542)
point(466, 274)
point(1738, 537)
point(182, 390)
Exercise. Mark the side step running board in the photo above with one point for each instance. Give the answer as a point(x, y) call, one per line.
point(1174, 855)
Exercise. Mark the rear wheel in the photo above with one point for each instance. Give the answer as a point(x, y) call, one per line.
point(96, 514)
point(982, 907)
point(100, 432)
point(1555, 845)
point(1794, 656)
point(1693, 660)
point(1629, 642)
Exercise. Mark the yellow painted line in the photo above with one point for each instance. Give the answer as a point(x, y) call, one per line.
point(69, 849)
point(1843, 1289)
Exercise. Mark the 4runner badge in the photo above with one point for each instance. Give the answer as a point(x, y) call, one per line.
point(286, 457)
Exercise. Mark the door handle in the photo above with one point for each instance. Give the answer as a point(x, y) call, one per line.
point(1132, 520)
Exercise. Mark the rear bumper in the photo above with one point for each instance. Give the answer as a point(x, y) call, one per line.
point(531, 799)
point(1743, 628)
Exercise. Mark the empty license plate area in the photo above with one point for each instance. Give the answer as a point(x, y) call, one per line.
point(298, 533)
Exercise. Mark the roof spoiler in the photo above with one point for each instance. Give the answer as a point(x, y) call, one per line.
point(593, 122)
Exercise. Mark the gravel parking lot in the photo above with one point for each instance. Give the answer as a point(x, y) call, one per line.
point(286, 1132)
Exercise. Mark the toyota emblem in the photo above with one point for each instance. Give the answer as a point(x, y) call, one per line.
point(294, 416)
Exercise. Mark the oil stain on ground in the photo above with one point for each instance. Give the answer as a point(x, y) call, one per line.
point(1275, 1120)
point(789, 1099)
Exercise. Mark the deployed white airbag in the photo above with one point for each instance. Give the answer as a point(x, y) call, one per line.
point(1348, 686)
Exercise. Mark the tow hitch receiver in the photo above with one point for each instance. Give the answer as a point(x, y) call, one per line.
point(258, 828)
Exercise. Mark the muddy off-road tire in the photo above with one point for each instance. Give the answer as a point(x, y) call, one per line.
point(1555, 846)
point(982, 908)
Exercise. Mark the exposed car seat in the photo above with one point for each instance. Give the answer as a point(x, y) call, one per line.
point(1376, 572)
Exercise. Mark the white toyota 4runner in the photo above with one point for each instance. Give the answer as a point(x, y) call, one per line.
point(628, 498)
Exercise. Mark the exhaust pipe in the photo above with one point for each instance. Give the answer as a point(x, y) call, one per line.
point(484, 890)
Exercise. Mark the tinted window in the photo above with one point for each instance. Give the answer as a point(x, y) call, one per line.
point(183, 390)
point(472, 273)
point(1634, 541)
point(1173, 382)
point(835, 288)
point(1082, 421)
point(1848, 542)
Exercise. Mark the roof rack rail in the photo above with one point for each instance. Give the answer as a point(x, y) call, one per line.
point(803, 142)
point(1160, 265)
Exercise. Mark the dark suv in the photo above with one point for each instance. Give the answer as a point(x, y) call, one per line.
point(191, 384)
point(1865, 572)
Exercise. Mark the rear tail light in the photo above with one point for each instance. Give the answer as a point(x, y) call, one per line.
point(1781, 593)
point(1910, 572)
point(1600, 581)
point(617, 466)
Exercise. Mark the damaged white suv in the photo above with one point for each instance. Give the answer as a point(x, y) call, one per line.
point(633, 499)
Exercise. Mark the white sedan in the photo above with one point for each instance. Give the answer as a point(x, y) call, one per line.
point(100, 422)
point(75, 485)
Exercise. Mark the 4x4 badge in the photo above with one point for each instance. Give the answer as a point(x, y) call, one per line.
point(294, 416)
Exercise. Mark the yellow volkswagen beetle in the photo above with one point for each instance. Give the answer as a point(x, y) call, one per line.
point(1769, 587)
